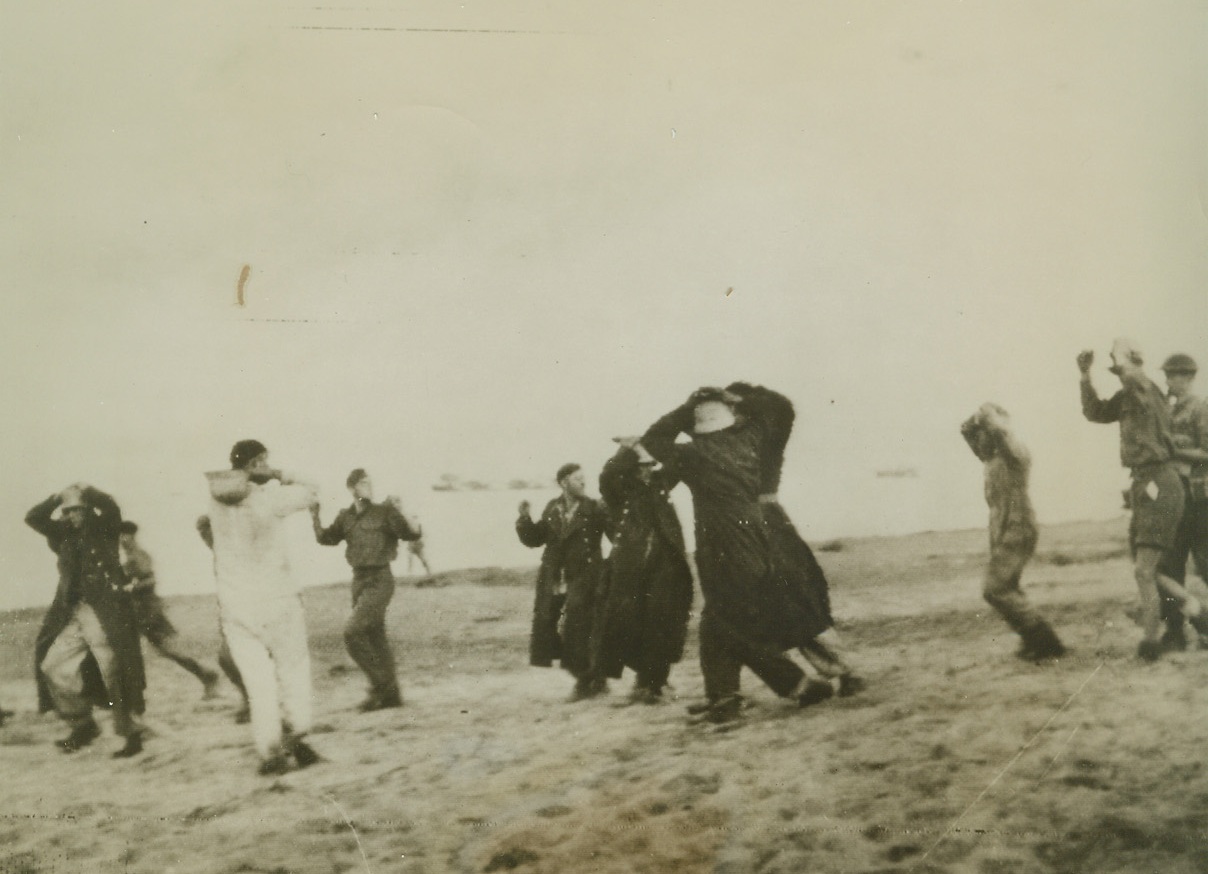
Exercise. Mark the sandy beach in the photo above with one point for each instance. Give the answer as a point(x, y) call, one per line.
point(958, 758)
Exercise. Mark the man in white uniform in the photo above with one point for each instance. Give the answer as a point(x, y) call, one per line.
point(259, 604)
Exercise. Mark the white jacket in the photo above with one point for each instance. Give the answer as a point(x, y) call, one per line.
point(251, 564)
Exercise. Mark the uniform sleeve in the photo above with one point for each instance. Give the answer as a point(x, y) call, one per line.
point(39, 519)
point(532, 534)
point(770, 410)
point(109, 515)
point(1097, 410)
point(399, 526)
point(205, 530)
point(331, 535)
point(292, 498)
point(659, 441)
point(141, 570)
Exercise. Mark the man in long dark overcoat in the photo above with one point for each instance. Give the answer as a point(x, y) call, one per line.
point(750, 616)
point(646, 591)
point(570, 529)
point(794, 562)
point(87, 652)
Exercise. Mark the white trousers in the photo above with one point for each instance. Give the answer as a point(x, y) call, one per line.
point(62, 662)
point(271, 654)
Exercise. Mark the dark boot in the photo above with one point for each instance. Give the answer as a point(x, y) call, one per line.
point(1040, 642)
point(814, 692)
point(81, 736)
point(303, 753)
point(134, 746)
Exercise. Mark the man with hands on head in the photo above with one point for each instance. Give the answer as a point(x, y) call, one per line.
point(1013, 532)
point(1147, 449)
point(259, 603)
point(371, 532)
point(87, 652)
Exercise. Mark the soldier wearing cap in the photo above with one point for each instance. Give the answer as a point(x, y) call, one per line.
point(87, 652)
point(571, 529)
point(371, 532)
point(1189, 420)
point(259, 603)
point(1147, 449)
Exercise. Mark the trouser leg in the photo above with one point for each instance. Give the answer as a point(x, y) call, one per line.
point(291, 657)
point(227, 662)
point(1001, 588)
point(828, 655)
point(61, 667)
point(125, 722)
point(721, 670)
point(173, 648)
point(259, 674)
point(727, 652)
point(365, 632)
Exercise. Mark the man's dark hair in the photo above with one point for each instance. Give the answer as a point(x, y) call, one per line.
point(566, 470)
point(245, 452)
point(355, 477)
point(129, 527)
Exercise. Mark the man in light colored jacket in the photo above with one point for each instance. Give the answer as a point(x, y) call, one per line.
point(260, 606)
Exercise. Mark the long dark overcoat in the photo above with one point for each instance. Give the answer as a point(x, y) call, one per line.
point(723, 470)
point(646, 591)
point(572, 561)
point(793, 561)
point(90, 570)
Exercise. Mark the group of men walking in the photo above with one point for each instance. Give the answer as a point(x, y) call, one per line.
point(764, 592)
point(88, 651)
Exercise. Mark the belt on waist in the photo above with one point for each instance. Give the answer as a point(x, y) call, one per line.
point(769, 498)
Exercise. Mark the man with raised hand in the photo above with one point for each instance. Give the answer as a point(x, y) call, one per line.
point(259, 603)
point(1013, 531)
point(371, 533)
point(1147, 449)
point(571, 530)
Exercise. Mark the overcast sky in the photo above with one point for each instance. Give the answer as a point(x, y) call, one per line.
point(485, 237)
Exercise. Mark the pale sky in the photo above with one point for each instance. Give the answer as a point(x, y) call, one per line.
point(486, 237)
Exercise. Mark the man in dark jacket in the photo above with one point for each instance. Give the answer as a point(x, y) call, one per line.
point(570, 529)
point(646, 590)
point(87, 651)
point(750, 617)
point(371, 532)
point(794, 563)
